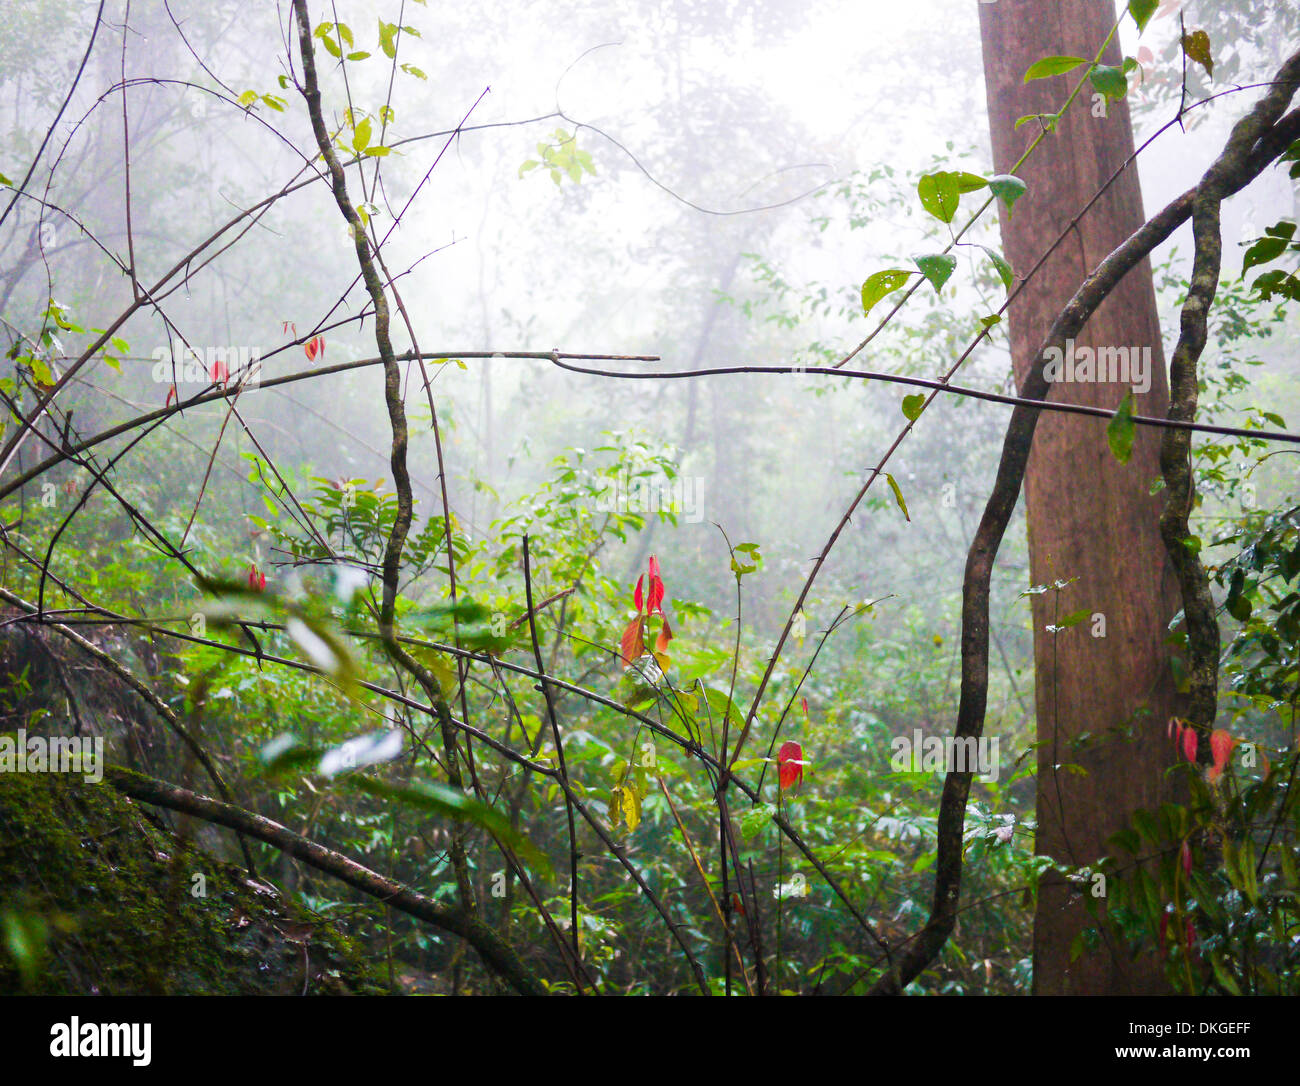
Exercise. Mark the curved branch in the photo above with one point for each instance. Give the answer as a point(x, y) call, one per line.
point(1250, 160)
point(495, 951)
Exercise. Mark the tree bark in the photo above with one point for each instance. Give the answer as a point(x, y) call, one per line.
point(1089, 517)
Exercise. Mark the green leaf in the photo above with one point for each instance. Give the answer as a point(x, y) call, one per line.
point(898, 496)
point(991, 320)
point(876, 286)
point(913, 406)
point(388, 39)
point(939, 194)
point(361, 136)
point(1142, 10)
point(970, 182)
point(1112, 82)
point(1197, 47)
point(753, 820)
point(1005, 273)
point(937, 267)
point(1120, 430)
point(1050, 66)
point(1049, 121)
point(718, 701)
point(1239, 606)
point(1264, 250)
point(41, 371)
point(1008, 187)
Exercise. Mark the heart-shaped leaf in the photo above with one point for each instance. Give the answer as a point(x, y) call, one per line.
point(937, 267)
point(880, 284)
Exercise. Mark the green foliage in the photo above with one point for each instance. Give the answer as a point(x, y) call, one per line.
point(562, 157)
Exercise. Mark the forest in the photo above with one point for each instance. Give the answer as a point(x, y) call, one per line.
point(673, 497)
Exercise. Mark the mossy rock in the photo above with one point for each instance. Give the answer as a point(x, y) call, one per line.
point(97, 899)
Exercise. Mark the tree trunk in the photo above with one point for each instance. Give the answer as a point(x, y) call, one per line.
point(1089, 517)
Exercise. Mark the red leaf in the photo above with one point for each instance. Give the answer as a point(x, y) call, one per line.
point(219, 371)
point(1189, 743)
point(788, 759)
point(256, 579)
point(805, 706)
point(314, 348)
point(1221, 744)
point(636, 593)
point(1187, 859)
point(665, 635)
point(632, 645)
point(654, 605)
point(171, 395)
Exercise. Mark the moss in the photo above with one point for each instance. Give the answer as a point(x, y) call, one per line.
point(98, 899)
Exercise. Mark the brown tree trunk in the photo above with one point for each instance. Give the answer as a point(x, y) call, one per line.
point(1090, 518)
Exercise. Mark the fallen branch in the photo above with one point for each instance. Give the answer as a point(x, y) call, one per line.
point(496, 952)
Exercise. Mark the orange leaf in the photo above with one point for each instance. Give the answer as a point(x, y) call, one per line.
point(632, 645)
point(314, 348)
point(665, 635)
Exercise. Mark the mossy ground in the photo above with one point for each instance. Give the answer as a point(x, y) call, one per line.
point(96, 899)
